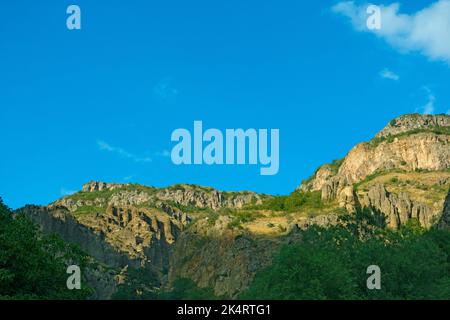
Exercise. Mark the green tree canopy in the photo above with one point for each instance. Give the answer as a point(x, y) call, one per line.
point(33, 266)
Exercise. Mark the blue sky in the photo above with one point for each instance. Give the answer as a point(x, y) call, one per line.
point(100, 103)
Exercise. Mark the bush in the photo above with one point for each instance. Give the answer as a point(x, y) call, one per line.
point(297, 200)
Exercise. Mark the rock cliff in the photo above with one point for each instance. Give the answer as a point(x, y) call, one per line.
point(408, 144)
point(411, 122)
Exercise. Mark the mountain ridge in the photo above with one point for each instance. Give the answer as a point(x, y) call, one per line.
point(216, 237)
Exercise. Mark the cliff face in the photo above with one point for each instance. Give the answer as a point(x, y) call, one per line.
point(59, 220)
point(221, 258)
point(408, 144)
point(398, 208)
point(125, 225)
point(425, 151)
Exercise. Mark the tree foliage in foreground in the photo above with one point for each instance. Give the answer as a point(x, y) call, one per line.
point(332, 263)
point(33, 266)
point(186, 289)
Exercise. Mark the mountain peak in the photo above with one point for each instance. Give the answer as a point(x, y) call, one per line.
point(93, 186)
point(415, 121)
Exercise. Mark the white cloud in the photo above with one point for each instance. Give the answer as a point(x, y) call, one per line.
point(104, 146)
point(388, 74)
point(428, 108)
point(426, 31)
point(448, 112)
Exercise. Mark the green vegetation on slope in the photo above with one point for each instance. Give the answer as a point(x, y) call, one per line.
point(331, 263)
point(33, 266)
point(390, 138)
point(334, 166)
point(186, 289)
point(296, 201)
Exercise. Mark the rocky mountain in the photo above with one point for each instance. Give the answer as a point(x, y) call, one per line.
point(408, 156)
point(221, 239)
point(126, 225)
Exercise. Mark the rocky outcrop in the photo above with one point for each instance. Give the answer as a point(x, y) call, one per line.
point(418, 150)
point(408, 143)
point(134, 195)
point(398, 208)
point(208, 197)
point(426, 151)
point(119, 237)
point(412, 122)
point(100, 186)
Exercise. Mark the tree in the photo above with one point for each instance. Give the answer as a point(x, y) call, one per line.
point(33, 266)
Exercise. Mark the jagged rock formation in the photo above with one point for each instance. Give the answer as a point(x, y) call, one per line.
point(100, 186)
point(208, 197)
point(412, 122)
point(398, 208)
point(134, 195)
point(407, 144)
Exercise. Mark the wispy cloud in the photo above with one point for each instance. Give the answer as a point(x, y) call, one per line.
point(425, 31)
point(128, 178)
point(104, 146)
point(164, 153)
point(388, 74)
point(66, 192)
point(428, 108)
point(165, 91)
